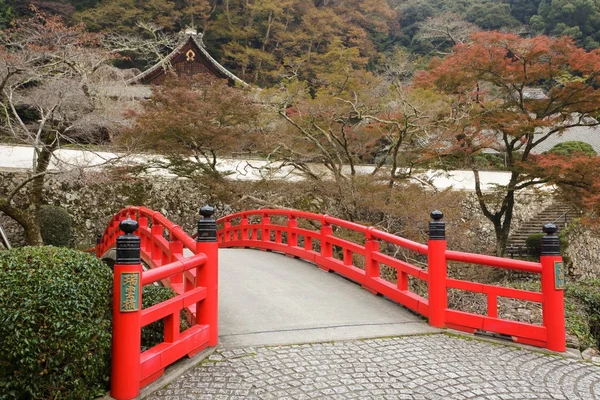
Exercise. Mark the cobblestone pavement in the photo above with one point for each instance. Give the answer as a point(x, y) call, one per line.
point(416, 367)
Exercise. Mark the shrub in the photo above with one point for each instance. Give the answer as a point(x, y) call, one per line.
point(55, 324)
point(572, 147)
point(586, 294)
point(56, 226)
point(153, 334)
point(534, 244)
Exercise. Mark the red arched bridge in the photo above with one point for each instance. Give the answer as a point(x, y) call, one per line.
point(190, 266)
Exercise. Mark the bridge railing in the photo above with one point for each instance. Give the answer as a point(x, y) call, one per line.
point(312, 237)
point(150, 237)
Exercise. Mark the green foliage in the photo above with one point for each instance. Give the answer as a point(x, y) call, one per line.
point(572, 147)
point(490, 15)
point(579, 19)
point(534, 244)
point(585, 297)
point(55, 319)
point(153, 334)
point(56, 226)
point(7, 14)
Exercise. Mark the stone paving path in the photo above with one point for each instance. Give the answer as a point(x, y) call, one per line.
point(414, 367)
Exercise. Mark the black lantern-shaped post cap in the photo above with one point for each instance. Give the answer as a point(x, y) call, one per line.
point(437, 215)
point(207, 226)
point(437, 227)
point(128, 226)
point(550, 229)
point(128, 245)
point(207, 211)
point(550, 242)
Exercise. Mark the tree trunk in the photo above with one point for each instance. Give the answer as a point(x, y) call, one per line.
point(27, 220)
point(501, 241)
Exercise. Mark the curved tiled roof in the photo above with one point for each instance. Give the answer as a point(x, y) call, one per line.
point(196, 39)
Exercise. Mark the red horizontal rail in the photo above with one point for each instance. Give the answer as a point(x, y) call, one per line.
point(397, 240)
point(172, 306)
point(506, 263)
point(166, 271)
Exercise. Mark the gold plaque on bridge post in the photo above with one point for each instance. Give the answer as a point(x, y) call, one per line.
point(130, 291)
point(559, 275)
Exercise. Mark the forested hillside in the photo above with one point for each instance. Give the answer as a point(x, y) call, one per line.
point(265, 40)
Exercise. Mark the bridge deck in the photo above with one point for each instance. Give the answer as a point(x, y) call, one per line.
point(269, 299)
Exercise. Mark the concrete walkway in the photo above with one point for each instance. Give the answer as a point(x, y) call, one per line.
point(269, 299)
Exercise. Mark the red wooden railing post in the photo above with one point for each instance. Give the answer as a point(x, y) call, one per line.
point(127, 314)
point(207, 311)
point(553, 285)
point(437, 271)
point(176, 250)
point(226, 232)
point(265, 235)
point(326, 231)
point(143, 221)
point(156, 252)
point(244, 228)
point(371, 266)
point(292, 237)
point(326, 246)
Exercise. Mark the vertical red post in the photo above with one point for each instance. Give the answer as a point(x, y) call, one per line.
point(176, 250)
point(143, 221)
point(207, 311)
point(326, 231)
point(553, 285)
point(371, 266)
point(265, 235)
point(437, 271)
point(292, 236)
point(157, 253)
point(127, 315)
point(326, 246)
point(244, 229)
point(226, 231)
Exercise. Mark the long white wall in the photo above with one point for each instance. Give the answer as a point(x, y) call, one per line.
point(21, 157)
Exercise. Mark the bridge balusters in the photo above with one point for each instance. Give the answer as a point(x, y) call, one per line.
point(371, 265)
point(553, 279)
point(207, 275)
point(326, 246)
point(244, 228)
point(348, 257)
point(307, 242)
point(292, 237)
point(265, 235)
point(127, 312)
point(176, 252)
point(437, 271)
point(143, 226)
point(226, 231)
point(156, 230)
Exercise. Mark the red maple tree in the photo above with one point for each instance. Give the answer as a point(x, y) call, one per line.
point(509, 95)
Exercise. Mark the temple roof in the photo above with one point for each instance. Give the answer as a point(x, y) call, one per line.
point(190, 50)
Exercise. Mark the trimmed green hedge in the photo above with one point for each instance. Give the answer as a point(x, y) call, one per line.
point(55, 324)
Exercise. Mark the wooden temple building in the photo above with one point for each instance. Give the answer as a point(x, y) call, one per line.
point(188, 59)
